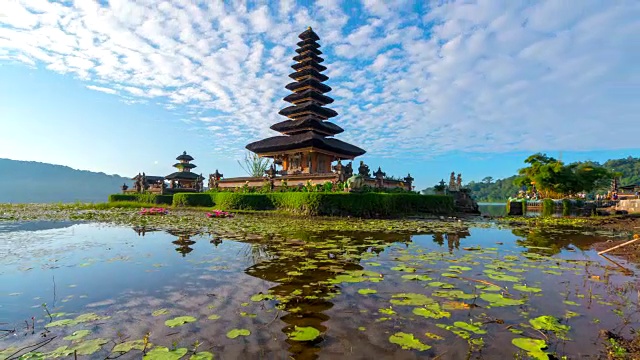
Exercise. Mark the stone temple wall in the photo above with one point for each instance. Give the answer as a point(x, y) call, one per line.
point(632, 206)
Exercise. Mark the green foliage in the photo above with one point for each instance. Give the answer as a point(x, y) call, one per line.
point(548, 207)
point(567, 205)
point(254, 165)
point(193, 199)
point(146, 198)
point(240, 201)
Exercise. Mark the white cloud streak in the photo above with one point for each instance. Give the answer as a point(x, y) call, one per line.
point(483, 76)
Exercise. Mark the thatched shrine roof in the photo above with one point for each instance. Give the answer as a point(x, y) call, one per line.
point(308, 94)
point(305, 140)
point(309, 123)
point(309, 63)
point(308, 56)
point(149, 178)
point(310, 49)
point(309, 34)
point(308, 42)
point(309, 108)
point(184, 156)
point(312, 83)
point(182, 175)
point(308, 72)
point(184, 165)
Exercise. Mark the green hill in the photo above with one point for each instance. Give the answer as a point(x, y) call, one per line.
point(34, 182)
point(490, 190)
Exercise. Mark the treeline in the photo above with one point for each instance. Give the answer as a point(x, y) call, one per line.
point(490, 190)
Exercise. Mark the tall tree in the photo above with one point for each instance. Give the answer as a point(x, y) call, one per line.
point(487, 180)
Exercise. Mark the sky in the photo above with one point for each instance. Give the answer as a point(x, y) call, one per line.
point(426, 87)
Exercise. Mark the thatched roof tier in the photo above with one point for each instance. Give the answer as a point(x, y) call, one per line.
point(308, 57)
point(308, 42)
point(309, 49)
point(308, 95)
point(305, 140)
point(183, 175)
point(307, 109)
point(308, 73)
point(308, 34)
point(185, 157)
point(308, 84)
point(150, 179)
point(308, 64)
point(184, 166)
point(309, 123)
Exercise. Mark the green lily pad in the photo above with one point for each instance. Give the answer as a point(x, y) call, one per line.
point(89, 347)
point(232, 334)
point(469, 327)
point(203, 355)
point(387, 311)
point(130, 345)
point(416, 277)
point(261, 297)
point(432, 311)
point(60, 352)
point(304, 333)
point(501, 277)
point(163, 353)
point(499, 300)
point(34, 355)
point(549, 323)
point(179, 321)
point(64, 322)
point(160, 312)
point(367, 291)
point(213, 317)
point(77, 335)
point(525, 288)
point(533, 347)
point(569, 302)
point(411, 299)
point(408, 342)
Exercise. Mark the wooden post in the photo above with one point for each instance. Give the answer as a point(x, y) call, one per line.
point(635, 238)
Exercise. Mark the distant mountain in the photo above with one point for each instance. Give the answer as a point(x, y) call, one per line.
point(34, 182)
point(490, 190)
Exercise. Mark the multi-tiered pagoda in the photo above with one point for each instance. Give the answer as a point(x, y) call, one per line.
point(307, 145)
point(184, 178)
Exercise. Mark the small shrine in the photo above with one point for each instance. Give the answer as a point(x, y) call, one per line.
point(307, 151)
point(461, 196)
point(183, 178)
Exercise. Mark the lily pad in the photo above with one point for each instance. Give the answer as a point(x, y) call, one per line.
point(432, 311)
point(499, 300)
point(160, 312)
point(203, 355)
point(179, 321)
point(416, 277)
point(525, 288)
point(367, 291)
point(232, 334)
point(304, 333)
point(533, 347)
point(77, 335)
point(89, 347)
point(408, 342)
point(163, 353)
point(261, 297)
point(213, 317)
point(130, 345)
point(549, 323)
point(469, 327)
point(411, 299)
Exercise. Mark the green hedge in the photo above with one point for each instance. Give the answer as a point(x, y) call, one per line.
point(548, 207)
point(142, 198)
point(239, 201)
point(192, 199)
point(567, 206)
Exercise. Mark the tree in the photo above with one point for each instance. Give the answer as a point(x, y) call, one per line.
point(487, 180)
point(254, 165)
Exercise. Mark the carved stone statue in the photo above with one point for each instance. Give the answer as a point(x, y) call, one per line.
point(339, 169)
point(348, 170)
point(363, 170)
point(355, 183)
point(452, 181)
point(271, 172)
point(459, 182)
point(138, 183)
point(379, 175)
point(409, 180)
point(124, 187)
point(144, 181)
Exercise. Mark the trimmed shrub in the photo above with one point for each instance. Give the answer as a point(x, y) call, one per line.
point(240, 201)
point(146, 198)
point(548, 207)
point(192, 199)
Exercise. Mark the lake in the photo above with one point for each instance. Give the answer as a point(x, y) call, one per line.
point(106, 291)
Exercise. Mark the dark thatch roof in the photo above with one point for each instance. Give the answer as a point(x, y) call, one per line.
point(309, 94)
point(307, 139)
point(182, 175)
point(184, 156)
point(308, 42)
point(308, 56)
point(629, 187)
point(309, 72)
point(314, 84)
point(150, 179)
point(311, 63)
point(184, 165)
point(308, 48)
point(309, 34)
point(291, 111)
point(308, 123)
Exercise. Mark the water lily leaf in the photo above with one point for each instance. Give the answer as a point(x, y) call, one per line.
point(432, 311)
point(64, 322)
point(469, 327)
point(203, 355)
point(499, 300)
point(441, 285)
point(433, 336)
point(408, 342)
point(163, 353)
point(411, 299)
point(404, 268)
point(62, 351)
point(89, 347)
point(362, 328)
point(461, 333)
point(502, 277)
point(77, 335)
point(232, 334)
point(213, 317)
point(569, 302)
point(570, 314)
point(533, 347)
point(459, 268)
point(130, 345)
point(261, 297)
point(416, 277)
point(455, 305)
point(160, 312)
point(367, 291)
point(549, 323)
point(450, 275)
point(388, 311)
point(179, 321)
point(525, 288)
point(90, 317)
point(58, 314)
point(304, 333)
point(32, 356)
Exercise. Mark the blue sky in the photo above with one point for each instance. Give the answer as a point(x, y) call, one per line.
point(425, 87)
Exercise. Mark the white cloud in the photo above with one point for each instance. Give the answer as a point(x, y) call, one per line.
point(489, 76)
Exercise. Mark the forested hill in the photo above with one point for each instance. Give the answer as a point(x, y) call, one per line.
point(490, 190)
point(34, 182)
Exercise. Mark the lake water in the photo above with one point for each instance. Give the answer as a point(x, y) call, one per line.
point(353, 295)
